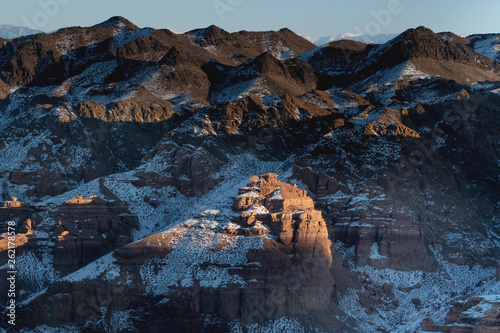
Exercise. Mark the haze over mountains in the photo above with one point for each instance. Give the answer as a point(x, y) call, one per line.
point(251, 181)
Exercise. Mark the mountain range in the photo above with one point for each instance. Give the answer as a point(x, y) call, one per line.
point(8, 31)
point(211, 181)
point(369, 39)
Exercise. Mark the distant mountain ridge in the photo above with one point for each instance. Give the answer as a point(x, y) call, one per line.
point(368, 39)
point(8, 31)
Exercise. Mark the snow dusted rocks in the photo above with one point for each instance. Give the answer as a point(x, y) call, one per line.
point(192, 170)
point(384, 233)
point(477, 314)
point(271, 259)
point(169, 122)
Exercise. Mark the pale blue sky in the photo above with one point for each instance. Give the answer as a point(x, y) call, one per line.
point(313, 17)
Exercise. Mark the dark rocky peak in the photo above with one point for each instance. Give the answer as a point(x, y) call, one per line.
point(210, 30)
point(265, 61)
point(117, 22)
point(212, 35)
point(266, 73)
point(349, 45)
point(292, 38)
point(256, 65)
point(419, 31)
point(424, 43)
point(339, 57)
point(435, 55)
point(244, 45)
point(267, 64)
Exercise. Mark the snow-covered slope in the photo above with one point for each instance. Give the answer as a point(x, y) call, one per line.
point(487, 44)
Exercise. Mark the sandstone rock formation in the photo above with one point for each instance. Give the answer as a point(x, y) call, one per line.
point(283, 210)
point(83, 229)
point(88, 228)
point(409, 161)
point(20, 212)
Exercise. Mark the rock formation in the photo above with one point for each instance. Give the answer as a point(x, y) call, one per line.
point(88, 228)
point(20, 213)
point(286, 271)
point(283, 210)
point(476, 315)
point(397, 142)
point(193, 171)
point(385, 233)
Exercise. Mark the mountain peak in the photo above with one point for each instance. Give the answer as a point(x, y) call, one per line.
point(117, 22)
point(211, 30)
point(211, 35)
point(418, 32)
point(265, 57)
point(286, 30)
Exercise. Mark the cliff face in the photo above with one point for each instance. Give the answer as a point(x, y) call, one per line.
point(89, 228)
point(384, 232)
point(82, 229)
point(294, 227)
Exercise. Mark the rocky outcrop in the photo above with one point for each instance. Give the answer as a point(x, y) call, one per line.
point(385, 233)
point(193, 171)
point(244, 45)
point(153, 109)
point(266, 72)
point(47, 182)
point(476, 315)
point(283, 210)
point(15, 209)
point(348, 61)
point(143, 108)
point(296, 228)
point(23, 220)
point(390, 123)
point(41, 170)
point(88, 228)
